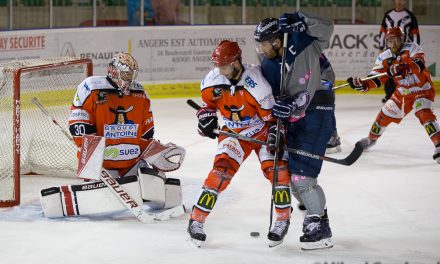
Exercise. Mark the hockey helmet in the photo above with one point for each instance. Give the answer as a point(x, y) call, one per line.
point(394, 32)
point(226, 53)
point(122, 70)
point(266, 30)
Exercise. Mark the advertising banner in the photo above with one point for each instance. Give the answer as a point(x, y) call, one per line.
point(182, 53)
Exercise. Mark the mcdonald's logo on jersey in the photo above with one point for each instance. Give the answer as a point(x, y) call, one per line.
point(207, 200)
point(282, 196)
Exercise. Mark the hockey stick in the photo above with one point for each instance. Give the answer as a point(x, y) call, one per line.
point(116, 189)
point(278, 127)
point(347, 161)
point(364, 79)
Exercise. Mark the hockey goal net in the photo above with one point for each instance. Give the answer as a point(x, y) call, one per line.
point(29, 141)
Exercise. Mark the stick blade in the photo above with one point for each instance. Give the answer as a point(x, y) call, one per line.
point(355, 154)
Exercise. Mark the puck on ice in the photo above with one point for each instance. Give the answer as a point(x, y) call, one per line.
point(255, 234)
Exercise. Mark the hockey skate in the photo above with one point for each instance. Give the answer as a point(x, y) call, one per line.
point(196, 233)
point(278, 232)
point(317, 233)
point(367, 143)
point(333, 145)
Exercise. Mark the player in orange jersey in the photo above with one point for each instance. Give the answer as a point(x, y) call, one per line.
point(244, 99)
point(405, 63)
point(118, 108)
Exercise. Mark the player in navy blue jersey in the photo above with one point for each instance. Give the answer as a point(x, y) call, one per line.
point(306, 105)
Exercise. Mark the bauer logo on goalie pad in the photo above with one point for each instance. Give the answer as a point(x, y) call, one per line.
point(118, 189)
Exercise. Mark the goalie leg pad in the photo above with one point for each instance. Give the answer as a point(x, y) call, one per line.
point(157, 191)
point(86, 199)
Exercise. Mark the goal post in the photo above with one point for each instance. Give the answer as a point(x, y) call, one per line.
point(29, 143)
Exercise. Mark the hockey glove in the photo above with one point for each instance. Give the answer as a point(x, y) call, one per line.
point(283, 108)
point(357, 84)
point(290, 23)
point(398, 69)
point(208, 122)
point(272, 138)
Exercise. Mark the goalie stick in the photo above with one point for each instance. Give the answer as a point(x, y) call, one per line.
point(114, 186)
point(347, 161)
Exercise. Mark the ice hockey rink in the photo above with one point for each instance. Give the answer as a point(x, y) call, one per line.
point(383, 209)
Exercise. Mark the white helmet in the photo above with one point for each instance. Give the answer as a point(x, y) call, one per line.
point(122, 70)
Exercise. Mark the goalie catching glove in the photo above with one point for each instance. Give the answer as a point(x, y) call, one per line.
point(208, 122)
point(168, 157)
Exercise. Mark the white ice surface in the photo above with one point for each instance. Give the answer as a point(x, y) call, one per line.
point(382, 209)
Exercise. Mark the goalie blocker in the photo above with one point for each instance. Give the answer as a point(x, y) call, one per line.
point(150, 187)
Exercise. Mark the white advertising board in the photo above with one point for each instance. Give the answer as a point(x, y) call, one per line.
point(179, 53)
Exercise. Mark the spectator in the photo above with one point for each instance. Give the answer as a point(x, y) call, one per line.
point(134, 14)
point(166, 12)
point(401, 17)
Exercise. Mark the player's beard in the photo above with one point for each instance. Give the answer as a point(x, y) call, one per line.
point(271, 54)
point(235, 74)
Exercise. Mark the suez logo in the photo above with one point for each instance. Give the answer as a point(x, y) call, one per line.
point(121, 152)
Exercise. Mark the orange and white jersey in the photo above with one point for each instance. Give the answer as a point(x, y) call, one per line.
point(126, 121)
point(417, 81)
point(246, 106)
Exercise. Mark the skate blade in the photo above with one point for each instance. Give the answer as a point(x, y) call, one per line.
point(195, 242)
point(273, 243)
point(321, 244)
point(336, 149)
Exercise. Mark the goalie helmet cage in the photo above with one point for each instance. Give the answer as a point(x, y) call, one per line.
point(29, 142)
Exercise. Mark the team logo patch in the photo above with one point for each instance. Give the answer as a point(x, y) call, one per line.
point(102, 98)
point(121, 115)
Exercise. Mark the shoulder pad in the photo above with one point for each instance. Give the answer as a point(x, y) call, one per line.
point(213, 78)
point(412, 48)
point(254, 82)
point(378, 64)
point(87, 86)
point(137, 86)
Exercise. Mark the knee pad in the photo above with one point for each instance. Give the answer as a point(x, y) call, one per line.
point(157, 190)
point(219, 178)
point(283, 174)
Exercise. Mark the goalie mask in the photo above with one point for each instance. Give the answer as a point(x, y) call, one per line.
point(122, 70)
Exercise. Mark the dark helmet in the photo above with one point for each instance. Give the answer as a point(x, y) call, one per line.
point(225, 53)
point(267, 29)
point(394, 32)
